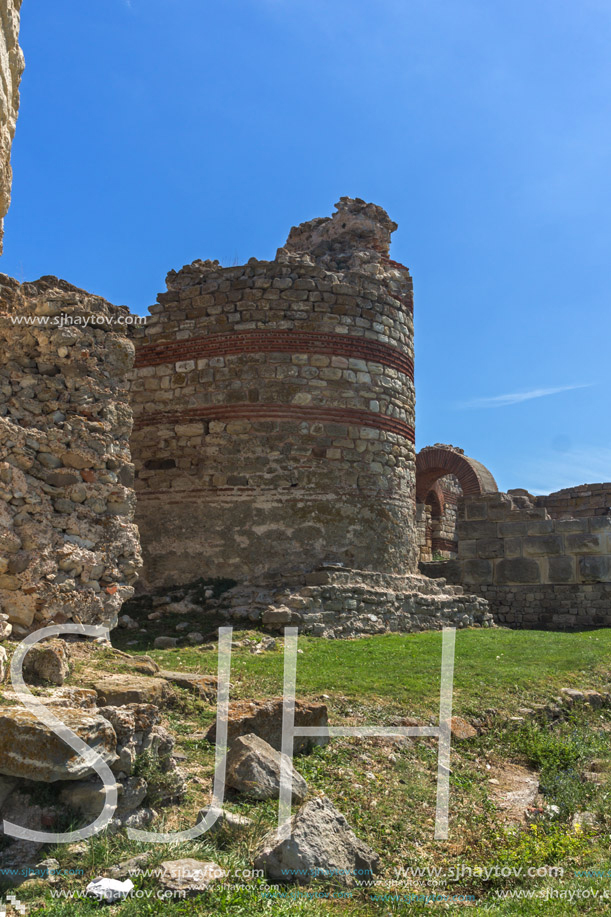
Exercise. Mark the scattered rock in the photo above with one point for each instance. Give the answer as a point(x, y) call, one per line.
point(224, 819)
point(253, 768)
point(203, 686)
point(127, 622)
point(6, 628)
point(461, 729)
point(184, 607)
point(131, 867)
point(264, 719)
point(189, 875)
point(195, 638)
point(583, 820)
point(165, 643)
point(595, 699)
point(144, 665)
point(46, 662)
point(278, 616)
point(321, 843)
point(29, 750)
point(118, 690)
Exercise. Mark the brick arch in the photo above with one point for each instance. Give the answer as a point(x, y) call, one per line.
point(434, 462)
point(436, 500)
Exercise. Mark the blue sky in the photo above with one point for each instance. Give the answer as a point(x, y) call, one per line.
point(153, 132)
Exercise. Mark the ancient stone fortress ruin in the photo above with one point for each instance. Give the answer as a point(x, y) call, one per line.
point(274, 433)
point(273, 445)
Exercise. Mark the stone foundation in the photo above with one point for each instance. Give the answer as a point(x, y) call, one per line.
point(337, 602)
point(548, 606)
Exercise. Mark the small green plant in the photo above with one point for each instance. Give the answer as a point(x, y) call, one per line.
point(162, 784)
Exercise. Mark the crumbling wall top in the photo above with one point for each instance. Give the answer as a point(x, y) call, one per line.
point(356, 226)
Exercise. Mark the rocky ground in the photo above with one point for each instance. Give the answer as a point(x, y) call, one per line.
point(528, 784)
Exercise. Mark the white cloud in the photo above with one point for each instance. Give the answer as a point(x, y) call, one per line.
point(583, 465)
point(501, 401)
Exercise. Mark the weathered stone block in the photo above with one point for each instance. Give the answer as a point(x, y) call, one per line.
point(513, 547)
point(571, 525)
point(517, 570)
point(561, 569)
point(583, 544)
point(490, 547)
point(467, 548)
point(542, 544)
point(476, 530)
point(545, 527)
point(477, 571)
point(476, 510)
point(595, 568)
point(513, 528)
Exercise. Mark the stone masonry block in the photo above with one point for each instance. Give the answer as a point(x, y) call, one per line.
point(467, 548)
point(513, 547)
point(490, 547)
point(599, 524)
point(572, 526)
point(561, 569)
point(476, 510)
point(595, 568)
point(517, 570)
point(476, 530)
point(542, 544)
point(545, 527)
point(477, 571)
point(513, 528)
point(589, 543)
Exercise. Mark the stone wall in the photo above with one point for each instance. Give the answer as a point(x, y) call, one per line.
point(577, 502)
point(548, 606)
point(11, 68)
point(506, 540)
point(532, 568)
point(68, 545)
point(274, 410)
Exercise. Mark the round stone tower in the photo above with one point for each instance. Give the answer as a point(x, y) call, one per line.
point(274, 410)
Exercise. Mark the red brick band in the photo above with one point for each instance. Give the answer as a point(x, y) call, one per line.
point(444, 544)
point(220, 345)
point(283, 412)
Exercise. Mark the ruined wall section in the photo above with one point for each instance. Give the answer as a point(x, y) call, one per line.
point(535, 570)
point(68, 545)
point(274, 410)
point(578, 502)
point(11, 68)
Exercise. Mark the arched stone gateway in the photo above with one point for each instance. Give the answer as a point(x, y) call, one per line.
point(434, 462)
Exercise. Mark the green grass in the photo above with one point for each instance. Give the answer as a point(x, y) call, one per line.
point(493, 668)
